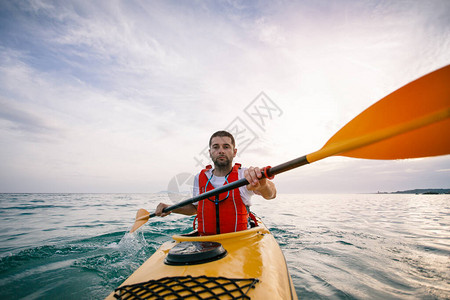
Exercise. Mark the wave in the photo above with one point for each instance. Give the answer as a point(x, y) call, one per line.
point(107, 259)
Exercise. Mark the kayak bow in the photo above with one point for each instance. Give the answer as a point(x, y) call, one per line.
point(247, 264)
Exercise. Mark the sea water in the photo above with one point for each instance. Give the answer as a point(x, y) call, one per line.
point(362, 246)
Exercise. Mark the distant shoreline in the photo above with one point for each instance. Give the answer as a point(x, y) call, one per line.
point(420, 191)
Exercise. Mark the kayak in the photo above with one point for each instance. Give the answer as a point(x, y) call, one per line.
point(247, 264)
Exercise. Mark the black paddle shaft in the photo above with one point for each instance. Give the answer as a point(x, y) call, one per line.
point(271, 171)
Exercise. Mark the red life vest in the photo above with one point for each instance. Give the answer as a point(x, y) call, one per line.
point(223, 213)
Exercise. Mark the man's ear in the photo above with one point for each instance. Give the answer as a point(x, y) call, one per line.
point(235, 151)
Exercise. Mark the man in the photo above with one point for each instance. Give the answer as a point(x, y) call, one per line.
point(229, 211)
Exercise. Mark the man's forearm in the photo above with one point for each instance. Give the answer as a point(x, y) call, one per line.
point(188, 210)
point(267, 191)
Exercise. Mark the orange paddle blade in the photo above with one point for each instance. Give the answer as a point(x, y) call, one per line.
point(142, 217)
point(412, 122)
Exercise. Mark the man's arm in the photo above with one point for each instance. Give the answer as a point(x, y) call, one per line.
point(260, 186)
point(188, 210)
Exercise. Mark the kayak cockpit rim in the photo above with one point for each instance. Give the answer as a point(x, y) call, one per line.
point(217, 237)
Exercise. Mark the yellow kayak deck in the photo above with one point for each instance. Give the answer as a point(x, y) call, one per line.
point(253, 267)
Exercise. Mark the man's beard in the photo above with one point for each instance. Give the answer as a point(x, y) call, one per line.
point(222, 163)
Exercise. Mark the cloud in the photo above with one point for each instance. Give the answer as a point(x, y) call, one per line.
point(123, 94)
point(24, 121)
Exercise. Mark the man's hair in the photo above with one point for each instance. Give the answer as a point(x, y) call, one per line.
point(222, 133)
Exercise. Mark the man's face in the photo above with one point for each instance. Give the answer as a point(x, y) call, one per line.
point(222, 151)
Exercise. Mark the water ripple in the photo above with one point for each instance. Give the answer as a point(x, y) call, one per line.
point(336, 246)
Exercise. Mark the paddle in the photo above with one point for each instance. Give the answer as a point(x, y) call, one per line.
point(413, 121)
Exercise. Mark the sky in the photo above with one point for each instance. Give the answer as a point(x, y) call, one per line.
point(122, 96)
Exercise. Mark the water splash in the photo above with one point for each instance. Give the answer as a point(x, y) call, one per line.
point(130, 242)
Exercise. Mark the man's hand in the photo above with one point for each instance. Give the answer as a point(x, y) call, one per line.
point(259, 185)
point(253, 176)
point(159, 210)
